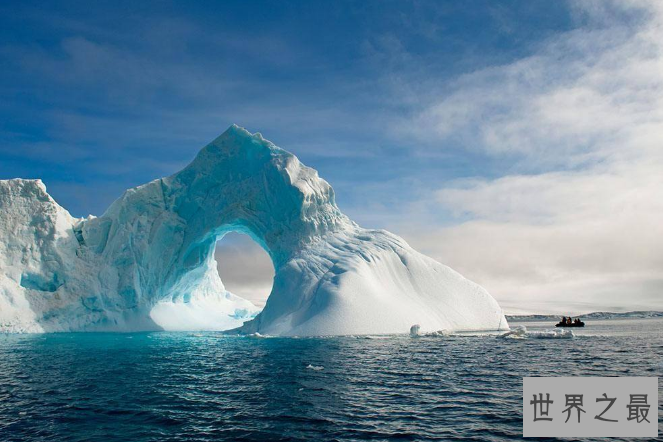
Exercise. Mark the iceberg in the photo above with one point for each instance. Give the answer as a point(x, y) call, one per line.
point(147, 263)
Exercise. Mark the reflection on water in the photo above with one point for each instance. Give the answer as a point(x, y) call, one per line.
point(205, 386)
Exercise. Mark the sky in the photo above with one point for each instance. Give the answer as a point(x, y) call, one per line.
point(518, 142)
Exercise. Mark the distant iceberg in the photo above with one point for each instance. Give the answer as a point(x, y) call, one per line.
point(148, 262)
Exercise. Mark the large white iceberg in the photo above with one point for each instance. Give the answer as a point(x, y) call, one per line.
point(148, 262)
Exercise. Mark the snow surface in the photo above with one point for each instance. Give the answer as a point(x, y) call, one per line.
point(148, 262)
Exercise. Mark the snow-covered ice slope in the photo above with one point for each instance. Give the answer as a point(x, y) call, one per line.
point(148, 262)
point(37, 246)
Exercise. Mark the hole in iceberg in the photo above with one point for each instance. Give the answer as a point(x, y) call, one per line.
point(245, 268)
point(228, 287)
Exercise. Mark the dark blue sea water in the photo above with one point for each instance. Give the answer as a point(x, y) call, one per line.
point(209, 387)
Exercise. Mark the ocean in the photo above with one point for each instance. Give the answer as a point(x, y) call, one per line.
point(209, 387)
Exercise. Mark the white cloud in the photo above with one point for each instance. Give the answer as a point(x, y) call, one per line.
point(580, 226)
point(576, 99)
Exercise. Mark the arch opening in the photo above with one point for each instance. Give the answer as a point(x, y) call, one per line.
point(245, 268)
point(228, 286)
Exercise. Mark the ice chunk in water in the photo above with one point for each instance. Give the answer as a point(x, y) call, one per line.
point(520, 332)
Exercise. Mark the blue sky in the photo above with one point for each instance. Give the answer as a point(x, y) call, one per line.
point(97, 98)
point(491, 135)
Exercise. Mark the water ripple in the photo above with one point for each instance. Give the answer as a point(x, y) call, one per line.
point(209, 387)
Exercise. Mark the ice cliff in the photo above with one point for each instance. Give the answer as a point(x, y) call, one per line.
point(148, 262)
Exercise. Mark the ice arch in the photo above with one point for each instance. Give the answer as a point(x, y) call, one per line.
point(155, 244)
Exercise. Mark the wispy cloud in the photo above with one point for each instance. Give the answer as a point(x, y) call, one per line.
point(578, 221)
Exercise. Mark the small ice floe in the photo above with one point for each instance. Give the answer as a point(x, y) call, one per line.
point(415, 331)
point(315, 367)
point(440, 333)
point(520, 332)
point(258, 335)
